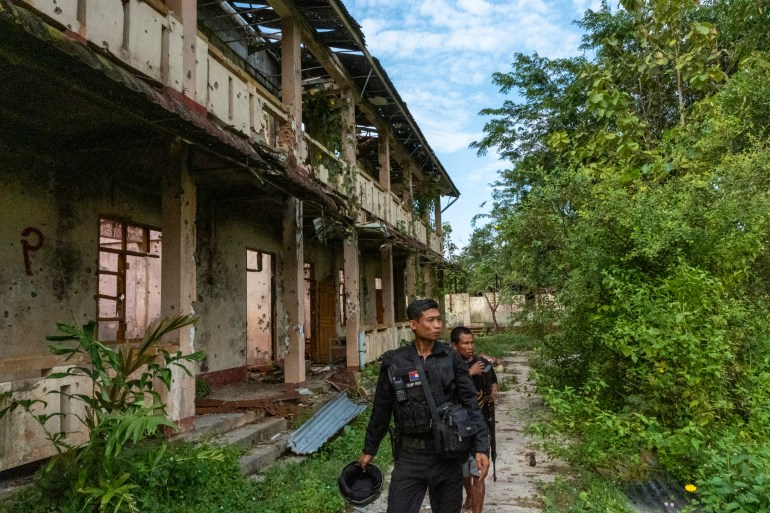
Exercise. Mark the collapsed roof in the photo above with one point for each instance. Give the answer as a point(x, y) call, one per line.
point(333, 27)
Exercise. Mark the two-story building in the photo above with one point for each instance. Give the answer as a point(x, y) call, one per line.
point(250, 162)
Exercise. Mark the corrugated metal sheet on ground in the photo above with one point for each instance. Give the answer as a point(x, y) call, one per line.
point(324, 424)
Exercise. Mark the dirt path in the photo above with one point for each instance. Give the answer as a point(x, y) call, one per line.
point(515, 489)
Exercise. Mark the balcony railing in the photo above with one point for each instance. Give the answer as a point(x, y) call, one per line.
point(147, 38)
point(380, 338)
point(332, 170)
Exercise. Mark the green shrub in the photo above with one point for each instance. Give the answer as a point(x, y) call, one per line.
point(736, 475)
point(584, 493)
point(501, 344)
point(314, 482)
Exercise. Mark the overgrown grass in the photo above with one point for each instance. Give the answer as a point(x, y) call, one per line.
point(187, 479)
point(313, 486)
point(501, 344)
point(584, 493)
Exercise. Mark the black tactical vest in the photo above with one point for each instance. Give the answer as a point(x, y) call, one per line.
point(411, 409)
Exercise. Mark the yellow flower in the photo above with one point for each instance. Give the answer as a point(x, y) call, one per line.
point(690, 488)
point(661, 370)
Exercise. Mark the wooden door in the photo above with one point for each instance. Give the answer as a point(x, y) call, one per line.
point(326, 301)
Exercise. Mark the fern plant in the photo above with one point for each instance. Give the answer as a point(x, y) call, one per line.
point(123, 408)
point(124, 404)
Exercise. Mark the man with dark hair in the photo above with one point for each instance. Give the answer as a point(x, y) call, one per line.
point(400, 395)
point(485, 380)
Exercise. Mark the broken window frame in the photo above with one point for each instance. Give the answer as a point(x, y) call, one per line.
point(123, 253)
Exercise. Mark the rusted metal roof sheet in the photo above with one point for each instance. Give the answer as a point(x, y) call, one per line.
point(324, 424)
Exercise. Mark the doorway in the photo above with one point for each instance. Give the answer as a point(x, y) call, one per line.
point(260, 308)
point(325, 321)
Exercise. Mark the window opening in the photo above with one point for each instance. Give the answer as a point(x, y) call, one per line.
point(129, 279)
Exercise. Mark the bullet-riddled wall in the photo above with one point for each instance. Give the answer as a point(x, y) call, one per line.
point(225, 240)
point(49, 249)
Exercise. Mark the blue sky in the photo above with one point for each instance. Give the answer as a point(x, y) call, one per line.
point(440, 54)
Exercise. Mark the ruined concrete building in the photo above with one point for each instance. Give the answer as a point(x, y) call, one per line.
point(247, 161)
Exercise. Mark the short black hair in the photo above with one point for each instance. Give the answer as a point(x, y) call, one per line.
point(454, 335)
point(418, 306)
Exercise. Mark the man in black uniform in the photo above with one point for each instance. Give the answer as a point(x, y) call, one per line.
point(485, 380)
point(400, 394)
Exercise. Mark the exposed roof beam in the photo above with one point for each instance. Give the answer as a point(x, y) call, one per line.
point(340, 74)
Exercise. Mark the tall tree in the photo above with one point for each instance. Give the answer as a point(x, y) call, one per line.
point(638, 188)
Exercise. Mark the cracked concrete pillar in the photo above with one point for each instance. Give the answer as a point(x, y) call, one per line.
point(293, 337)
point(349, 135)
point(290, 137)
point(411, 278)
point(186, 11)
point(388, 294)
point(383, 147)
point(427, 278)
point(352, 302)
point(178, 273)
point(407, 194)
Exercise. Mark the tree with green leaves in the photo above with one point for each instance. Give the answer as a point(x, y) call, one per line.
point(638, 190)
point(482, 260)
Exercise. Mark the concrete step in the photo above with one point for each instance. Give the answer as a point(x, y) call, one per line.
point(263, 455)
point(216, 424)
point(249, 435)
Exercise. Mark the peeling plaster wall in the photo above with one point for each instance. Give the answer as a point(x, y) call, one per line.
point(223, 240)
point(370, 269)
point(221, 286)
point(64, 207)
point(458, 310)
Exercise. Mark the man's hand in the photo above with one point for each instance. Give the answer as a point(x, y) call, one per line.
point(476, 369)
point(482, 462)
point(365, 459)
point(493, 395)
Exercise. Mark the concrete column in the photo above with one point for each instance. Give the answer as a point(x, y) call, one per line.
point(178, 273)
point(407, 196)
point(388, 296)
point(291, 83)
point(352, 302)
point(411, 278)
point(294, 294)
point(427, 278)
point(437, 216)
point(187, 12)
point(399, 289)
point(384, 154)
point(349, 136)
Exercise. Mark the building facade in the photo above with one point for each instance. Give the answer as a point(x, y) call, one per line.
point(250, 162)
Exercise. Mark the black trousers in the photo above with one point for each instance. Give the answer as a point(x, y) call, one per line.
point(415, 472)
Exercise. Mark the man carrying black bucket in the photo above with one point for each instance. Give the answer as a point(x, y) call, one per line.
point(406, 375)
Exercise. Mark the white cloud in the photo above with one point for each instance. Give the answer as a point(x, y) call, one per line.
point(581, 6)
point(440, 54)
